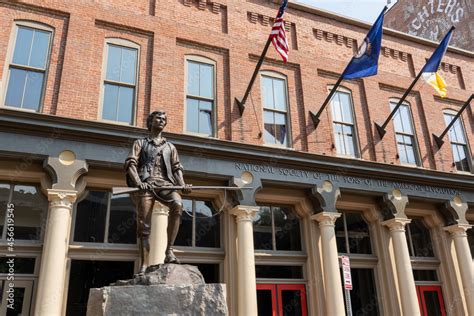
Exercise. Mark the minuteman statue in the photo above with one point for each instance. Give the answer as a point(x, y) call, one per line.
point(153, 162)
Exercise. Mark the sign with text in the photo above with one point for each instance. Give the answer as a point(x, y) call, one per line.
point(346, 272)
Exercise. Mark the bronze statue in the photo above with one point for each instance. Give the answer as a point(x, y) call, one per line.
point(153, 163)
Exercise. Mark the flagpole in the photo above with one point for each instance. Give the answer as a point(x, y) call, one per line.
point(381, 128)
point(315, 117)
point(241, 104)
point(439, 139)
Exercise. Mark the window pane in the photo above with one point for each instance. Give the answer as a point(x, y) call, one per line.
point(269, 127)
point(336, 107)
point(192, 115)
point(205, 118)
point(461, 159)
point(22, 265)
point(210, 271)
point(348, 140)
point(125, 107)
point(90, 217)
point(279, 272)
point(86, 274)
point(397, 122)
point(410, 155)
point(291, 303)
point(264, 302)
point(111, 94)
point(206, 82)
point(346, 107)
point(34, 84)
point(421, 238)
point(129, 65)
point(281, 131)
point(425, 275)
point(470, 239)
point(406, 119)
point(4, 196)
point(207, 226)
point(287, 229)
point(432, 305)
point(113, 62)
point(185, 233)
point(267, 93)
point(122, 222)
point(30, 207)
point(262, 229)
point(364, 293)
point(22, 51)
point(339, 139)
point(358, 234)
point(193, 78)
point(279, 90)
point(39, 50)
point(16, 87)
point(340, 235)
point(458, 130)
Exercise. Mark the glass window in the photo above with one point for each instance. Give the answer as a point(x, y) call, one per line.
point(200, 98)
point(120, 83)
point(470, 239)
point(419, 239)
point(343, 124)
point(29, 210)
point(275, 116)
point(425, 275)
point(404, 134)
point(200, 225)
point(363, 294)
point(22, 265)
point(102, 217)
point(457, 138)
point(28, 68)
point(352, 234)
point(276, 228)
point(278, 272)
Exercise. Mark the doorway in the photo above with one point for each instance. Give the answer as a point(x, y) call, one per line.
point(430, 299)
point(281, 300)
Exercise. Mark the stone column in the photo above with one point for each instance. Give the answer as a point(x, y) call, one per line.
point(464, 259)
point(51, 283)
point(158, 235)
point(247, 284)
point(406, 282)
point(332, 277)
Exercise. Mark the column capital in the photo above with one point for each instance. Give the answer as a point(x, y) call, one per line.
point(160, 209)
point(396, 224)
point(244, 212)
point(61, 198)
point(326, 218)
point(458, 230)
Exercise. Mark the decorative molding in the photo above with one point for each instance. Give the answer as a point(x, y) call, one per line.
point(161, 209)
point(395, 54)
point(244, 213)
point(336, 38)
point(326, 219)
point(203, 5)
point(397, 224)
point(265, 20)
point(61, 198)
point(458, 230)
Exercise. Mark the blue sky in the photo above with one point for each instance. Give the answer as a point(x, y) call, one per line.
point(365, 10)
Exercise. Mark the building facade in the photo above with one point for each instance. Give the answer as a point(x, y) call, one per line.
point(78, 80)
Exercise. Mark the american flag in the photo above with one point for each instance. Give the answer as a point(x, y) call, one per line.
point(278, 35)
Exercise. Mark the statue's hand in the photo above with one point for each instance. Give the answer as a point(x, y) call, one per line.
point(145, 186)
point(188, 188)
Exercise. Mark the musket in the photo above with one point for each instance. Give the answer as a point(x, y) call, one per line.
point(123, 190)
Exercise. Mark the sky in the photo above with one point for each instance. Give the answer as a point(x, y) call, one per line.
point(365, 10)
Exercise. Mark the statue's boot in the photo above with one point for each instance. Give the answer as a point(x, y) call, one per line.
point(170, 257)
point(173, 226)
point(144, 245)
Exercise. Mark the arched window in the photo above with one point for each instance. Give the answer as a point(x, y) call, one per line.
point(200, 96)
point(343, 123)
point(457, 138)
point(28, 65)
point(275, 109)
point(120, 78)
point(405, 134)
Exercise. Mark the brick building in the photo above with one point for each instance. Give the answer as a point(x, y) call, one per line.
point(78, 80)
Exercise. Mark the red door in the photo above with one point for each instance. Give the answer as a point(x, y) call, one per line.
point(281, 300)
point(431, 300)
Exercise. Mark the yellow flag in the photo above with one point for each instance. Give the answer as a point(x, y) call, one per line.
point(437, 82)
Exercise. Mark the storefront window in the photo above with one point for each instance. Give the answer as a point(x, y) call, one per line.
point(276, 228)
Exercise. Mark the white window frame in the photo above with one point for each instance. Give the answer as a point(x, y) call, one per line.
point(127, 44)
point(416, 147)
point(355, 137)
point(207, 61)
point(469, 153)
point(276, 75)
point(10, 52)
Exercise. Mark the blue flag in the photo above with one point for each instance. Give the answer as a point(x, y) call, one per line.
point(432, 64)
point(365, 62)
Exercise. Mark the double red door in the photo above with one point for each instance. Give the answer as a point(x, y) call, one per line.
point(281, 300)
point(431, 300)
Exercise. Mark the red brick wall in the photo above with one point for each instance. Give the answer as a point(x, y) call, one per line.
point(232, 34)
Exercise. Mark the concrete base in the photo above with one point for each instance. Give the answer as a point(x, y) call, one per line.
point(207, 299)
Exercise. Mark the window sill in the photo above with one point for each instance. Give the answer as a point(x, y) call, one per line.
point(199, 135)
point(278, 146)
point(116, 123)
point(14, 108)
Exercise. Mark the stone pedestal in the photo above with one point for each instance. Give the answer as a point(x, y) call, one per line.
point(165, 289)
